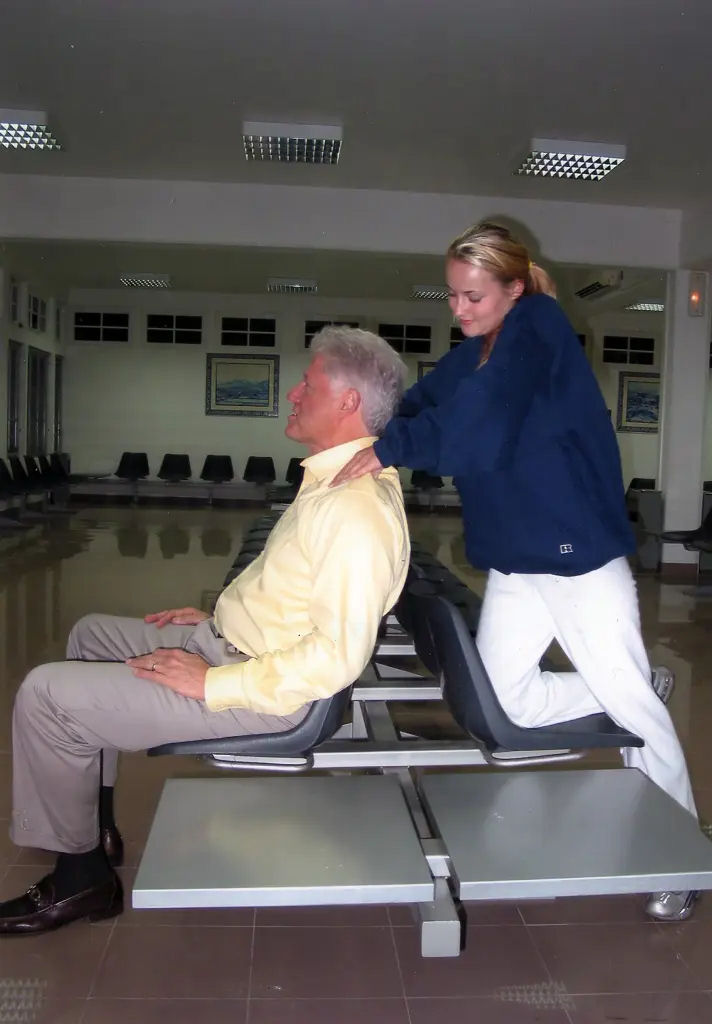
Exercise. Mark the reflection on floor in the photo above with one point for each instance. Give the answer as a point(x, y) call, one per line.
point(582, 961)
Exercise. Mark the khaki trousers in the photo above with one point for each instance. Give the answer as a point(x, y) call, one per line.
point(66, 714)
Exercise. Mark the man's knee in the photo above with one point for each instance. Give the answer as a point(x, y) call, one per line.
point(80, 634)
point(32, 693)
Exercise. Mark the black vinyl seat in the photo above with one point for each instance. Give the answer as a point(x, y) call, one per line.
point(259, 469)
point(427, 483)
point(445, 642)
point(13, 498)
point(320, 723)
point(132, 466)
point(295, 473)
point(31, 484)
point(44, 481)
point(175, 468)
point(217, 469)
point(8, 486)
point(287, 492)
point(693, 540)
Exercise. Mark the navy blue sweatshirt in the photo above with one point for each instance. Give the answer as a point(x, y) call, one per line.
point(529, 442)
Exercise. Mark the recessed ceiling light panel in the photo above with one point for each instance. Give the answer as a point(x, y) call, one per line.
point(292, 286)
point(557, 158)
point(292, 143)
point(26, 129)
point(429, 291)
point(646, 307)
point(145, 280)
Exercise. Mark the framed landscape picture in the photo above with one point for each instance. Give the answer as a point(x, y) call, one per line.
point(638, 402)
point(241, 385)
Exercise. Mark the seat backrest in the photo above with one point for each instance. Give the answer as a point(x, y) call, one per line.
point(133, 466)
point(59, 466)
point(175, 467)
point(642, 483)
point(217, 469)
point(259, 469)
point(34, 473)
point(705, 529)
point(467, 690)
point(419, 478)
point(5, 475)
point(19, 473)
point(295, 472)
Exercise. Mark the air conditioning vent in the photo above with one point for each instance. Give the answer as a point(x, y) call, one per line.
point(605, 283)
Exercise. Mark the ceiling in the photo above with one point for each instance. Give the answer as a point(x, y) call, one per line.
point(434, 96)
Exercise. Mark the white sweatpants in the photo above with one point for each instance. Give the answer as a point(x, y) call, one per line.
point(596, 621)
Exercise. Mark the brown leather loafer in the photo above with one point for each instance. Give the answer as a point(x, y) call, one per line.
point(113, 844)
point(39, 910)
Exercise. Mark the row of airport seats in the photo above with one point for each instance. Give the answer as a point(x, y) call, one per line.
point(31, 488)
point(441, 613)
point(217, 471)
point(401, 835)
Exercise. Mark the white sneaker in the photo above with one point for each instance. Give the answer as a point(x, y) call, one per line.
point(663, 682)
point(671, 906)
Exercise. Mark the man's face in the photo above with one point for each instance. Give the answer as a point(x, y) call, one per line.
point(316, 402)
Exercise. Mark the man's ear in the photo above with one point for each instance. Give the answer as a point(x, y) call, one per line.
point(350, 401)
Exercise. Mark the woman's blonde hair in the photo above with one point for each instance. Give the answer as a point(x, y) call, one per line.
point(492, 247)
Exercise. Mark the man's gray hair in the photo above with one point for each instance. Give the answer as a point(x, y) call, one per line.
point(362, 360)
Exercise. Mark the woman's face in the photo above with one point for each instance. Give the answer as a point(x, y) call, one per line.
point(479, 302)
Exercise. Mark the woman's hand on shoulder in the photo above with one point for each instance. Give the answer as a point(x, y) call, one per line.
point(365, 461)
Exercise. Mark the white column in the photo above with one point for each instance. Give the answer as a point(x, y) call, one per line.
point(683, 401)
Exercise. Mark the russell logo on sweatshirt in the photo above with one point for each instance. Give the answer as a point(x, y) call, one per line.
point(566, 549)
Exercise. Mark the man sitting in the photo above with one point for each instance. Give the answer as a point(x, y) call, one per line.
point(298, 624)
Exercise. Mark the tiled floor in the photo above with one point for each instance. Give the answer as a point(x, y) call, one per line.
point(572, 961)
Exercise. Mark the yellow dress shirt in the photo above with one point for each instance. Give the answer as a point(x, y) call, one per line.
point(307, 610)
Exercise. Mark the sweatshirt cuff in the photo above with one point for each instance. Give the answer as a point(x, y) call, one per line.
point(383, 453)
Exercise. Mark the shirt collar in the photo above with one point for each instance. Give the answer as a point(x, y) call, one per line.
point(327, 464)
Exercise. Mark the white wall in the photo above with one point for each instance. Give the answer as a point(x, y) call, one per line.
point(640, 452)
point(34, 206)
point(142, 397)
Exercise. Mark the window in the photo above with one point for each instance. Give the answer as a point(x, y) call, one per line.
point(14, 302)
point(14, 360)
point(456, 336)
point(170, 329)
point(36, 313)
point(37, 369)
point(629, 351)
point(101, 327)
point(58, 390)
point(413, 338)
point(244, 330)
point(58, 322)
point(312, 327)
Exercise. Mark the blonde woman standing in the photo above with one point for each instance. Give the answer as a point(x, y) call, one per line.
point(515, 415)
